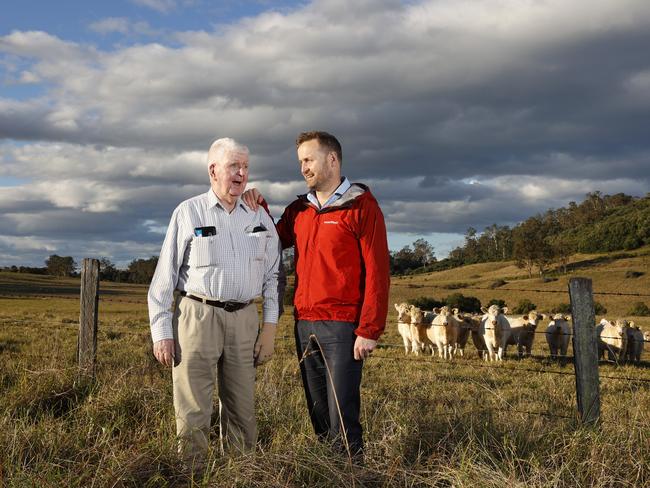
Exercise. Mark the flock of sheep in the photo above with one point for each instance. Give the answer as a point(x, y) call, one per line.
point(448, 331)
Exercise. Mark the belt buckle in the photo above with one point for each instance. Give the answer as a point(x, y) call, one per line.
point(230, 306)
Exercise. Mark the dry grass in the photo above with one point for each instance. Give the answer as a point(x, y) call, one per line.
point(606, 271)
point(427, 423)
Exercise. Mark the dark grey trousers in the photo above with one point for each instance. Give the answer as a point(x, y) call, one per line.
point(323, 394)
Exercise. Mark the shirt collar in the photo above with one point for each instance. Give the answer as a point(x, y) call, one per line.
point(338, 193)
point(213, 200)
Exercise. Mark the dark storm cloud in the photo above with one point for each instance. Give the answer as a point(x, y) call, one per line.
point(451, 110)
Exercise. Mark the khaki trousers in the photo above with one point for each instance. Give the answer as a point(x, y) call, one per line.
point(214, 345)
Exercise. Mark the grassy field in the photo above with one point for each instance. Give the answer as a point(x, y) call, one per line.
point(427, 422)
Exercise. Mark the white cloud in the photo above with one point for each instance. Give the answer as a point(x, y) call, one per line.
point(108, 163)
point(254, 74)
point(27, 243)
point(29, 77)
point(162, 6)
point(40, 45)
point(110, 25)
point(535, 102)
point(506, 200)
point(124, 26)
point(33, 250)
point(638, 88)
point(279, 192)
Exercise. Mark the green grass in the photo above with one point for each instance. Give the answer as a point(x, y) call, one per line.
point(427, 422)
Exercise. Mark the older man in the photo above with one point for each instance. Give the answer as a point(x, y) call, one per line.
point(219, 254)
point(342, 281)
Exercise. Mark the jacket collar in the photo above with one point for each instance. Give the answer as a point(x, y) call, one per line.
point(345, 201)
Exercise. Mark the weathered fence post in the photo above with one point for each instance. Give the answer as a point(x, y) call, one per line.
point(87, 343)
point(585, 350)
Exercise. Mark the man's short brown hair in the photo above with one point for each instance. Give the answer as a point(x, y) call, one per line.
point(325, 139)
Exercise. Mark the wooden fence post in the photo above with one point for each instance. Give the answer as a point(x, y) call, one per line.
point(87, 343)
point(585, 350)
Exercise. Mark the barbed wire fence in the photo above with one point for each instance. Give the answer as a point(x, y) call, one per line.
point(87, 343)
point(446, 369)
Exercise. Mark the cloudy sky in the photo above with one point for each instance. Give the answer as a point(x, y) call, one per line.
point(457, 113)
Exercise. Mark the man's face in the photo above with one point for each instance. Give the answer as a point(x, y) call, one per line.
point(317, 166)
point(230, 177)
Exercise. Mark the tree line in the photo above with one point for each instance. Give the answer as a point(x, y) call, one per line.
point(138, 271)
point(601, 223)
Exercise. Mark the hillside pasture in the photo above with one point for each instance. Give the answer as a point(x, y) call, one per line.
point(427, 422)
point(608, 273)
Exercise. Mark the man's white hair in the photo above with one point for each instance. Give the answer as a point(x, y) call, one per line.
point(223, 148)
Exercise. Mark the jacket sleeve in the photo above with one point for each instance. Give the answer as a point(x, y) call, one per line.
point(374, 253)
point(281, 275)
point(285, 227)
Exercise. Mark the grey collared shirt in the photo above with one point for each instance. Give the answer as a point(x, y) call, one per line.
point(236, 264)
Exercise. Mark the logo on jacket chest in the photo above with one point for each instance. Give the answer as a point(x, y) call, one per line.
point(330, 222)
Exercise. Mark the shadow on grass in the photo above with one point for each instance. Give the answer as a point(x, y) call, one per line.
point(112, 335)
point(588, 263)
point(434, 437)
point(7, 380)
point(26, 289)
point(10, 345)
point(56, 403)
point(614, 366)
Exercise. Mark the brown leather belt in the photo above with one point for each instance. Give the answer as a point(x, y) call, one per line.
point(227, 306)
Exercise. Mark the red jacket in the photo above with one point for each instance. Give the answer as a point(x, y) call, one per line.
point(341, 258)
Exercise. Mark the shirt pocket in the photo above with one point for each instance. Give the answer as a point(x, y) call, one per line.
point(204, 251)
point(256, 244)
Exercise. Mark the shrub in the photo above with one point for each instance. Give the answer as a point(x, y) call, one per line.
point(634, 274)
point(562, 308)
point(425, 303)
point(288, 295)
point(455, 286)
point(497, 284)
point(524, 306)
point(639, 309)
point(466, 304)
point(548, 279)
point(599, 308)
point(495, 301)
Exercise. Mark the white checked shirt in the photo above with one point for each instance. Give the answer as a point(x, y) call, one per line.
point(236, 264)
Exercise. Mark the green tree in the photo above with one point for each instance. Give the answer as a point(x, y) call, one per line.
point(425, 303)
point(467, 304)
point(563, 247)
point(60, 265)
point(402, 261)
point(423, 252)
point(410, 258)
point(496, 301)
point(142, 270)
point(524, 306)
point(531, 247)
point(639, 309)
point(471, 253)
point(107, 270)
